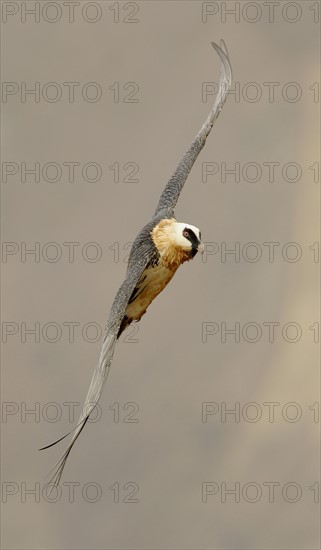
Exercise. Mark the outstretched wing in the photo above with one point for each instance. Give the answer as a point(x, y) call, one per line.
point(170, 195)
point(141, 253)
point(95, 390)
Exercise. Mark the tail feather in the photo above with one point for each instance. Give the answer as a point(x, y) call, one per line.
point(94, 393)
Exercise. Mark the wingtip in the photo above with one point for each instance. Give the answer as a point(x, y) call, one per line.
point(224, 47)
point(222, 51)
point(221, 47)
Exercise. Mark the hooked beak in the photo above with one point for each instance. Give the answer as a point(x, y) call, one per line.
point(201, 247)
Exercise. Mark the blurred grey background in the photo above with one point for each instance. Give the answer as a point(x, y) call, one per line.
point(150, 61)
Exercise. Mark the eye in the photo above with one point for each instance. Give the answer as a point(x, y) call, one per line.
point(185, 233)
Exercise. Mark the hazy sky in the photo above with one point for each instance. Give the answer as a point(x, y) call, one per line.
point(208, 431)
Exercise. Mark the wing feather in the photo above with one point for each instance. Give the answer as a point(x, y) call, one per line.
point(141, 253)
point(170, 195)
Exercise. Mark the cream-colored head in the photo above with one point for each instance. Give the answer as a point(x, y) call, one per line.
point(177, 242)
point(187, 236)
point(169, 233)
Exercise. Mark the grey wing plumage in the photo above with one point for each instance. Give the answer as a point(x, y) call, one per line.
point(141, 253)
point(94, 393)
point(170, 195)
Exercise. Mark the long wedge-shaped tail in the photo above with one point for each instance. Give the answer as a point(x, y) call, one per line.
point(94, 393)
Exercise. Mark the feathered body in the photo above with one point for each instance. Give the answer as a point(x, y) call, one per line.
point(167, 254)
